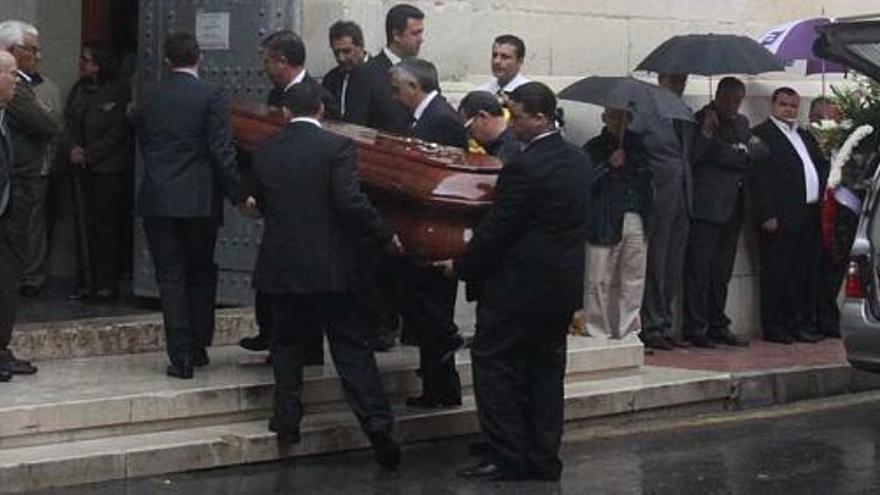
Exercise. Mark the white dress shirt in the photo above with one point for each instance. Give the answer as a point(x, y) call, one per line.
point(811, 177)
point(308, 120)
point(493, 86)
point(417, 114)
point(296, 80)
point(185, 70)
point(391, 56)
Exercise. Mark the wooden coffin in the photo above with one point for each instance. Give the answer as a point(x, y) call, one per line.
point(432, 195)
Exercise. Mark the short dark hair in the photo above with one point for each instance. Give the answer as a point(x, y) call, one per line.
point(536, 98)
point(785, 90)
point(287, 44)
point(421, 71)
point(341, 29)
point(108, 68)
point(730, 84)
point(182, 49)
point(302, 100)
point(477, 101)
point(820, 101)
point(516, 42)
point(397, 18)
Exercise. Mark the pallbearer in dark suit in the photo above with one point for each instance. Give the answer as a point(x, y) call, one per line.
point(486, 124)
point(284, 57)
point(10, 259)
point(372, 102)
point(722, 161)
point(347, 43)
point(527, 256)
point(189, 166)
point(428, 299)
point(787, 187)
point(316, 217)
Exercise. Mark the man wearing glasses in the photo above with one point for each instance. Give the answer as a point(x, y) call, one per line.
point(32, 127)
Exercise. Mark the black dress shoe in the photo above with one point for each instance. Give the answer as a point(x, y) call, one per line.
point(285, 436)
point(809, 337)
point(432, 402)
point(30, 291)
point(386, 449)
point(200, 358)
point(486, 471)
point(184, 371)
point(256, 344)
point(780, 338)
point(677, 342)
point(701, 341)
point(656, 341)
point(16, 366)
point(727, 337)
point(5, 375)
point(80, 295)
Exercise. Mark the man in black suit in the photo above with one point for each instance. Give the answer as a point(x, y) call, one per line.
point(372, 102)
point(527, 256)
point(347, 43)
point(10, 261)
point(284, 57)
point(428, 302)
point(316, 219)
point(189, 165)
point(722, 161)
point(486, 124)
point(787, 186)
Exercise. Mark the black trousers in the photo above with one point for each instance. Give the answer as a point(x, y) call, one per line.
point(428, 311)
point(183, 255)
point(29, 218)
point(711, 252)
point(295, 320)
point(519, 369)
point(789, 262)
point(10, 269)
point(100, 216)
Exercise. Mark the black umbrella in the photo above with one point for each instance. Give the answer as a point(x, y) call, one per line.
point(627, 93)
point(709, 55)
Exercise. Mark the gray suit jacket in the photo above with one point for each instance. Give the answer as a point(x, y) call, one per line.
point(668, 144)
point(32, 127)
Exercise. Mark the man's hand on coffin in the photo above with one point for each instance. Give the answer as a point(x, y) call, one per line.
point(446, 266)
point(248, 208)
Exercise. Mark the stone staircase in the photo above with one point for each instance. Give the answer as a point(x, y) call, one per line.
point(106, 416)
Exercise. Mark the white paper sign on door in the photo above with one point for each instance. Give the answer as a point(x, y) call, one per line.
point(212, 30)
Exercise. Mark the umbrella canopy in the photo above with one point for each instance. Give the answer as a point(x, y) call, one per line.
point(709, 55)
point(794, 41)
point(627, 93)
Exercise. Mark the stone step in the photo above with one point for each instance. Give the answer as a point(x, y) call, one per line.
point(81, 399)
point(84, 461)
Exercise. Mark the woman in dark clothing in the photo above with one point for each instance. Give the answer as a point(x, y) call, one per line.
point(99, 151)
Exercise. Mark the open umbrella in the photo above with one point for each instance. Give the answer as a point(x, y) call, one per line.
point(627, 93)
point(794, 41)
point(709, 55)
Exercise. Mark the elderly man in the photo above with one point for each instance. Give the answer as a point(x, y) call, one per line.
point(428, 303)
point(372, 102)
point(787, 187)
point(487, 125)
point(347, 43)
point(508, 54)
point(32, 127)
point(10, 262)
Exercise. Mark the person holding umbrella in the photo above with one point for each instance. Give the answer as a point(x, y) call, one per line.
point(620, 212)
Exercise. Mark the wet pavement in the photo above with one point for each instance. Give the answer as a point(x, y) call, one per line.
point(823, 447)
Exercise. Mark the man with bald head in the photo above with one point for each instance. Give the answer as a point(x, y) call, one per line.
point(10, 263)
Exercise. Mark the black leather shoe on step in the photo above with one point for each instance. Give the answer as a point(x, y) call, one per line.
point(256, 343)
point(701, 341)
point(184, 371)
point(16, 366)
point(5, 375)
point(386, 449)
point(656, 341)
point(285, 436)
point(486, 471)
point(779, 338)
point(430, 402)
point(729, 338)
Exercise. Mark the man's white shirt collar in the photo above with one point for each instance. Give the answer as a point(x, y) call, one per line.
point(296, 80)
point(24, 76)
point(391, 56)
point(493, 86)
point(187, 70)
point(309, 120)
point(786, 127)
point(417, 114)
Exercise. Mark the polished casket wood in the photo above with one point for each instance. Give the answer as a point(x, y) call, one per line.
point(432, 195)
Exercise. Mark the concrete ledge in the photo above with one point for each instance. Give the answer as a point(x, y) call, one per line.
point(125, 395)
point(33, 468)
point(777, 387)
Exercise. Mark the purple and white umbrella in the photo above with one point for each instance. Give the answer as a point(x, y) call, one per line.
point(794, 41)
